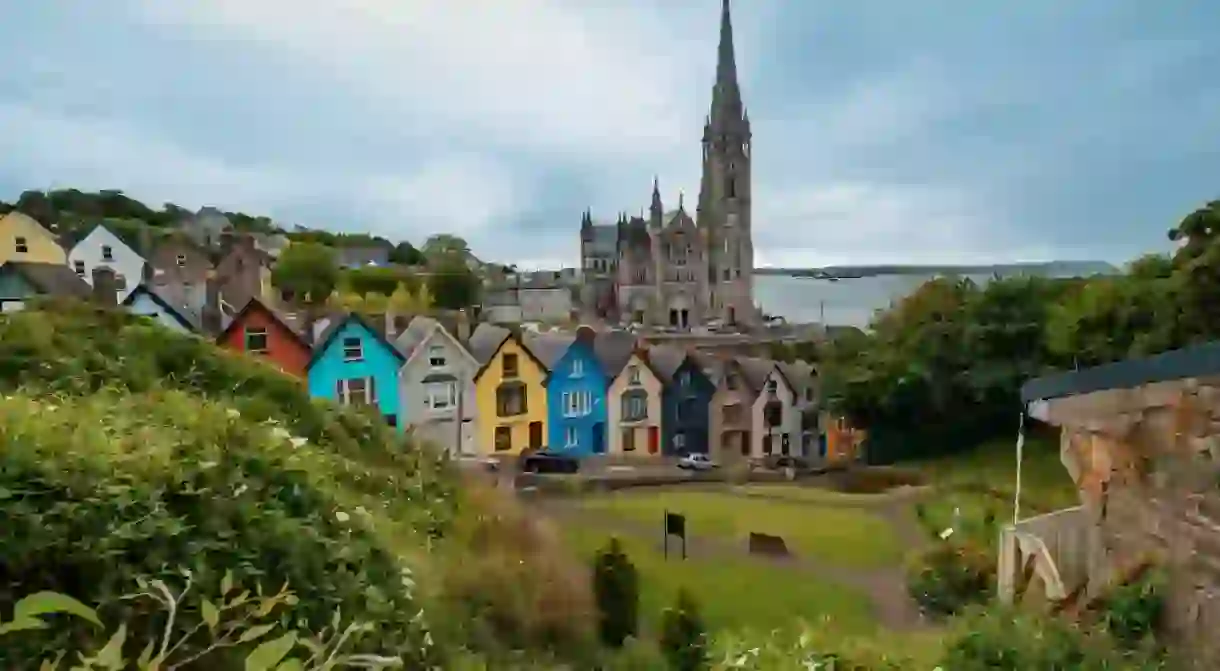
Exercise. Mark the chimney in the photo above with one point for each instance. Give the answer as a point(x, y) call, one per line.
point(210, 315)
point(105, 286)
point(463, 326)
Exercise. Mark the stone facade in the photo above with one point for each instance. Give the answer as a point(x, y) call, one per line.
point(1146, 461)
point(674, 269)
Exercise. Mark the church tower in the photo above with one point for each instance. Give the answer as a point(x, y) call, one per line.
point(725, 190)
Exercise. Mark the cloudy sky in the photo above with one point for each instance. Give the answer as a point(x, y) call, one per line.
point(885, 130)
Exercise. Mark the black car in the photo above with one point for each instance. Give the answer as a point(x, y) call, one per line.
point(549, 462)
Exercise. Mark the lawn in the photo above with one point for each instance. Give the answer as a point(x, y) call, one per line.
point(734, 592)
point(841, 536)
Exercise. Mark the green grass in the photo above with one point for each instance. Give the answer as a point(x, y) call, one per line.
point(736, 593)
point(842, 536)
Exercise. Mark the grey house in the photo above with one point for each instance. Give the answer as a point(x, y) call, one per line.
point(437, 386)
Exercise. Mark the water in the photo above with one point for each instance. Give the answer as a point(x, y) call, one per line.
point(847, 302)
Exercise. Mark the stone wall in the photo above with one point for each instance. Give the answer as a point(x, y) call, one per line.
point(1147, 464)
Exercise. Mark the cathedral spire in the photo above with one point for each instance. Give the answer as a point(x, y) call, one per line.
point(726, 95)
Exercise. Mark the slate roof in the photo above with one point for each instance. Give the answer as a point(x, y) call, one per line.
point(613, 350)
point(549, 348)
point(52, 279)
point(1197, 361)
point(485, 340)
point(188, 319)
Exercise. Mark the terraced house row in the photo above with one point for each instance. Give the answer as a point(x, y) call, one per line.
point(493, 391)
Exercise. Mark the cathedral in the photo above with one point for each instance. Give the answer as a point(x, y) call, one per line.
point(681, 268)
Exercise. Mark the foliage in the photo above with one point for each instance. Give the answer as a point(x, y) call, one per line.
point(307, 270)
point(234, 626)
point(950, 576)
point(683, 635)
point(1000, 639)
point(1132, 612)
point(128, 449)
point(616, 590)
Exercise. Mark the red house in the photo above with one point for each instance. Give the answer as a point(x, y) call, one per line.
point(258, 329)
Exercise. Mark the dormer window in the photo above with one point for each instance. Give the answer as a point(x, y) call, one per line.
point(353, 349)
point(107, 253)
point(22, 245)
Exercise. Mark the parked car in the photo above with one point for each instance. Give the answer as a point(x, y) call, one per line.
point(549, 462)
point(697, 462)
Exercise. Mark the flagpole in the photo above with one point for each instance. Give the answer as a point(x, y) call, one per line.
point(1016, 503)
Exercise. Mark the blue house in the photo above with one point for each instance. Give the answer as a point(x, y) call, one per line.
point(354, 364)
point(686, 401)
point(576, 390)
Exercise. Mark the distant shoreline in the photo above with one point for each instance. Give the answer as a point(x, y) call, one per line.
point(1047, 268)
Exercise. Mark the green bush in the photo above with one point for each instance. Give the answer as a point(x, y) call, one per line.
point(683, 635)
point(617, 594)
point(1001, 639)
point(950, 576)
point(131, 451)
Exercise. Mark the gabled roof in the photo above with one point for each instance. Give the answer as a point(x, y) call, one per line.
point(421, 330)
point(255, 304)
point(336, 325)
point(186, 319)
point(508, 334)
point(52, 279)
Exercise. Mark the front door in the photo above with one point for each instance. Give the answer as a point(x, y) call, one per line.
point(599, 438)
point(654, 439)
point(535, 435)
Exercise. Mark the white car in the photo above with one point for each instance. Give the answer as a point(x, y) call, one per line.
point(697, 462)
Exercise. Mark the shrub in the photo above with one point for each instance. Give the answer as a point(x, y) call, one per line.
point(616, 590)
point(683, 636)
point(1002, 639)
point(511, 582)
point(128, 449)
point(951, 575)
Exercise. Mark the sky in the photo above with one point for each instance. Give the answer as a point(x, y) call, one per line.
point(885, 131)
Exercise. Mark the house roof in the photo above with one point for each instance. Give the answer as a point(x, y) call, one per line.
point(1197, 361)
point(336, 325)
point(187, 319)
point(255, 304)
point(53, 279)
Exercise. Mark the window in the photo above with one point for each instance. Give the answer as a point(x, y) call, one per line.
point(353, 349)
point(578, 367)
point(509, 362)
point(357, 391)
point(436, 356)
point(511, 400)
point(629, 440)
point(633, 375)
point(570, 438)
point(504, 438)
point(577, 403)
point(79, 267)
point(440, 395)
point(635, 406)
point(107, 253)
point(21, 245)
point(256, 340)
point(180, 260)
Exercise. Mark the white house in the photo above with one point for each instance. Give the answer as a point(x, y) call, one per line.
point(102, 248)
point(437, 386)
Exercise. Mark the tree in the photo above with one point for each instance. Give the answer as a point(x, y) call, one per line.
point(683, 635)
point(453, 285)
point(616, 591)
point(307, 270)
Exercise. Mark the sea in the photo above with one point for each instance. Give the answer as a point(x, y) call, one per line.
point(851, 301)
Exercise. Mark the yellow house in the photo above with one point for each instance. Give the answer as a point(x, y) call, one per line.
point(24, 239)
point(511, 398)
point(634, 412)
